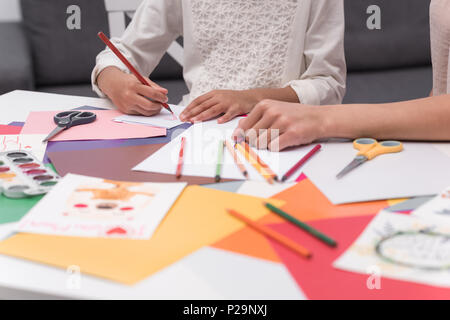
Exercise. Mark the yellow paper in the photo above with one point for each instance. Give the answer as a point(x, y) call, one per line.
point(393, 202)
point(197, 219)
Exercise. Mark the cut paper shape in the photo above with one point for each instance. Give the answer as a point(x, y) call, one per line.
point(27, 142)
point(250, 243)
point(164, 119)
point(92, 207)
point(116, 164)
point(319, 280)
point(103, 128)
point(402, 247)
point(305, 202)
point(193, 222)
point(262, 189)
point(419, 170)
point(200, 154)
point(9, 129)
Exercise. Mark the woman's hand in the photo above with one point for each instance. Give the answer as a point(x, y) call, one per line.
point(227, 102)
point(129, 95)
point(278, 125)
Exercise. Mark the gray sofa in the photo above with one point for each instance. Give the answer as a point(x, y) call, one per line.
point(41, 54)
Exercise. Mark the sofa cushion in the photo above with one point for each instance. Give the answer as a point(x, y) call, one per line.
point(60, 55)
point(404, 38)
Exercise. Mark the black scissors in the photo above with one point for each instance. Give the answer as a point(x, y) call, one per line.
point(68, 119)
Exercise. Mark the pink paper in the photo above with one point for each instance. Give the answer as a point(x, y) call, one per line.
point(320, 280)
point(5, 129)
point(104, 128)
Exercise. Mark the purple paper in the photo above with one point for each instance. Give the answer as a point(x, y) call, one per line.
point(17, 124)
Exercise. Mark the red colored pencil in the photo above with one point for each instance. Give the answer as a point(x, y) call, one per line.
point(300, 163)
point(272, 234)
point(119, 55)
point(180, 158)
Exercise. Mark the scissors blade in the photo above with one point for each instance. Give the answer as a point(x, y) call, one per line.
point(352, 165)
point(55, 131)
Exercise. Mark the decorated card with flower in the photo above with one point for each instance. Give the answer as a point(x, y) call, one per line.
point(93, 207)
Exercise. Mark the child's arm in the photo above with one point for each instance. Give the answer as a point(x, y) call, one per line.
point(422, 119)
point(155, 25)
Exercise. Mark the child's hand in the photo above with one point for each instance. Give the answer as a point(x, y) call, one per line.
point(228, 102)
point(129, 95)
point(276, 125)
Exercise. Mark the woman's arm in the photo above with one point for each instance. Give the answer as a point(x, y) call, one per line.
point(280, 125)
point(422, 119)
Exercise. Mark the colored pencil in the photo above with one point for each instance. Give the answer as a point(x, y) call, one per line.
point(254, 163)
point(319, 235)
point(219, 160)
point(181, 158)
point(238, 162)
point(272, 234)
point(130, 67)
point(302, 161)
point(262, 163)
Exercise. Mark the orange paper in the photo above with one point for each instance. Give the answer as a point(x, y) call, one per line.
point(198, 218)
point(305, 202)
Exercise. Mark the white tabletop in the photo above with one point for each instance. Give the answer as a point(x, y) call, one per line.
point(208, 273)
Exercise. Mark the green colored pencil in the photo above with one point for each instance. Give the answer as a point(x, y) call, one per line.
point(302, 225)
point(219, 160)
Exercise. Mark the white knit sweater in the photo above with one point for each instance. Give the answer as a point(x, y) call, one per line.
point(242, 44)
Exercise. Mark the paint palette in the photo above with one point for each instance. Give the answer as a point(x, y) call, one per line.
point(22, 175)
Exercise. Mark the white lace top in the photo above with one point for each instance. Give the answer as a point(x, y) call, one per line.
point(440, 45)
point(242, 44)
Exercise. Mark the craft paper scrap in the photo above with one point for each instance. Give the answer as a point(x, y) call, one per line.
point(263, 189)
point(402, 247)
point(197, 219)
point(164, 119)
point(438, 208)
point(200, 154)
point(419, 170)
point(27, 142)
point(92, 207)
point(103, 128)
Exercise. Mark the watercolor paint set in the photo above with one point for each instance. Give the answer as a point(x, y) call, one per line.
point(22, 175)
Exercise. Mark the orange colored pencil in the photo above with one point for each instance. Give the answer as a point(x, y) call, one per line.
point(125, 61)
point(255, 163)
point(272, 234)
point(262, 163)
point(180, 158)
point(238, 162)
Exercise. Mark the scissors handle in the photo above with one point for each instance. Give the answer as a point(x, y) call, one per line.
point(370, 148)
point(69, 119)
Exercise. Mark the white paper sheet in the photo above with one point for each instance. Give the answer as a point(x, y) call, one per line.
point(164, 119)
point(401, 247)
point(419, 170)
point(92, 207)
point(26, 142)
point(438, 208)
point(200, 157)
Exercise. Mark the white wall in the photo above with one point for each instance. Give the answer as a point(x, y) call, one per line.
point(9, 10)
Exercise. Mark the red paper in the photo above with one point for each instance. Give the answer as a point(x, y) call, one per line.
point(320, 280)
point(5, 129)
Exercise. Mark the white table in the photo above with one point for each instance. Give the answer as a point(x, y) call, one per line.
point(208, 273)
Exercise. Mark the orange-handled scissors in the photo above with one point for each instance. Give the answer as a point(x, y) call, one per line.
point(369, 149)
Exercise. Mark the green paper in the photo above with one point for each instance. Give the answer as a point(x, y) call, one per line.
point(12, 210)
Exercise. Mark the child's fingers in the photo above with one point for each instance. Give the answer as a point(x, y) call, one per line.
point(231, 113)
point(209, 113)
point(151, 93)
point(281, 142)
point(190, 114)
point(187, 112)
